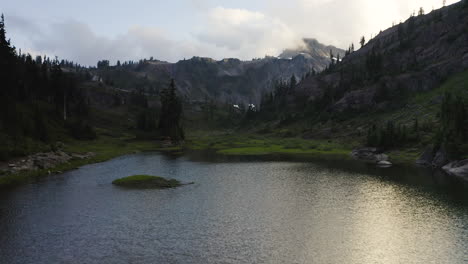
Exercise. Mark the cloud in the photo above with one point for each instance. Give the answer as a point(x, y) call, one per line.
point(218, 31)
point(246, 34)
point(77, 41)
point(340, 22)
point(224, 33)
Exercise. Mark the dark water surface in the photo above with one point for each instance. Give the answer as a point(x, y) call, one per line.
point(240, 210)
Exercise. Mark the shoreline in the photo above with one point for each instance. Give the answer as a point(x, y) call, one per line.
point(106, 148)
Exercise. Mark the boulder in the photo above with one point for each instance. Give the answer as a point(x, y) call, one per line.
point(384, 163)
point(369, 154)
point(440, 158)
point(364, 153)
point(427, 157)
point(433, 157)
point(458, 169)
point(465, 60)
point(381, 157)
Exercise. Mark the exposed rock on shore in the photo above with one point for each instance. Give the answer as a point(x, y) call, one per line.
point(372, 155)
point(458, 169)
point(432, 157)
point(43, 160)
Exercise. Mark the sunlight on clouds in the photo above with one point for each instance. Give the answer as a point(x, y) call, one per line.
point(235, 16)
point(246, 34)
point(218, 31)
point(340, 22)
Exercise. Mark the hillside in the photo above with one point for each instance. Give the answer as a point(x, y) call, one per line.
point(227, 81)
point(398, 81)
point(413, 57)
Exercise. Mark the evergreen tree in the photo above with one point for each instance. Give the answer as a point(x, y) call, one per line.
point(7, 63)
point(453, 134)
point(363, 41)
point(292, 83)
point(421, 11)
point(171, 114)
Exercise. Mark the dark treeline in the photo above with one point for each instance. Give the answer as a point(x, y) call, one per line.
point(38, 100)
point(105, 64)
point(171, 114)
point(451, 130)
point(165, 122)
point(125, 76)
point(392, 135)
point(274, 103)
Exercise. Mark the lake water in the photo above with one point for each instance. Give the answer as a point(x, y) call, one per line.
point(240, 210)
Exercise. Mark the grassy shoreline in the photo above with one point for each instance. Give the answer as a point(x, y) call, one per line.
point(107, 148)
point(253, 145)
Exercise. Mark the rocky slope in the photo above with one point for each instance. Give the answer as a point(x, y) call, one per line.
point(397, 79)
point(228, 81)
point(415, 56)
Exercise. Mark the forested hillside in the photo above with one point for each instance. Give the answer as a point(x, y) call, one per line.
point(405, 88)
point(40, 102)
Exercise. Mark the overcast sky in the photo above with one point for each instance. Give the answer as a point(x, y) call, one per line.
point(86, 31)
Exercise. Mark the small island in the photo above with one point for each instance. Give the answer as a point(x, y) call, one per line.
point(146, 182)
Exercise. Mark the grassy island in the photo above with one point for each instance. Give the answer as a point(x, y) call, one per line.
point(146, 182)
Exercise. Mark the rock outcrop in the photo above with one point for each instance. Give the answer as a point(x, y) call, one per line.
point(43, 160)
point(432, 157)
point(372, 155)
point(458, 169)
point(384, 164)
point(427, 157)
point(229, 80)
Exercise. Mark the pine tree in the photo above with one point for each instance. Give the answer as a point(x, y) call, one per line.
point(363, 41)
point(292, 84)
point(171, 114)
point(7, 63)
point(421, 11)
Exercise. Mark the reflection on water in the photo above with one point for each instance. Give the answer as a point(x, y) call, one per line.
point(240, 210)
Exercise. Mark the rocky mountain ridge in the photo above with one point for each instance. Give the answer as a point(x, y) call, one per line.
point(228, 81)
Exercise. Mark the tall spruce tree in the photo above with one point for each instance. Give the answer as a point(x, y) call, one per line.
point(7, 63)
point(363, 41)
point(171, 114)
point(453, 134)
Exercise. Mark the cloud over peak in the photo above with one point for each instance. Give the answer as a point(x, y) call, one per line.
point(245, 33)
point(209, 28)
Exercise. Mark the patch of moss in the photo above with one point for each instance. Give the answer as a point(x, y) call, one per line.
point(146, 182)
point(252, 144)
point(404, 156)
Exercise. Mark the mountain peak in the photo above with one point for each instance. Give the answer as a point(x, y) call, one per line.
point(311, 47)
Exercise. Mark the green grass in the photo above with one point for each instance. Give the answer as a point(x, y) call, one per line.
point(146, 181)
point(251, 144)
point(404, 156)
